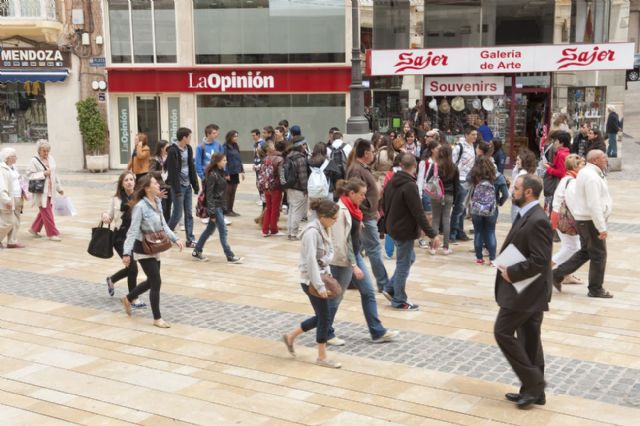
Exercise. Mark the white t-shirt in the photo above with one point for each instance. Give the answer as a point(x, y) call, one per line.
point(336, 144)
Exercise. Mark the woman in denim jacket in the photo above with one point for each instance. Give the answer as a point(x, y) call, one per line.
point(146, 217)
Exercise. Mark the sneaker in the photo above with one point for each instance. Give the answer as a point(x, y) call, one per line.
point(197, 255)
point(190, 244)
point(432, 252)
point(285, 209)
point(110, 287)
point(227, 221)
point(329, 363)
point(388, 295)
point(205, 220)
point(485, 252)
point(235, 259)
point(55, 238)
point(424, 244)
point(34, 233)
point(265, 235)
point(138, 304)
point(492, 263)
point(447, 251)
point(479, 261)
point(464, 237)
point(182, 227)
point(160, 323)
point(389, 336)
point(407, 307)
point(259, 203)
point(336, 341)
point(278, 234)
point(453, 242)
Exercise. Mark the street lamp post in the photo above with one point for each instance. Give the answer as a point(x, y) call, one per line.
point(357, 124)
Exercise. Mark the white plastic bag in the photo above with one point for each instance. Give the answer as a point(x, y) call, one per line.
point(62, 206)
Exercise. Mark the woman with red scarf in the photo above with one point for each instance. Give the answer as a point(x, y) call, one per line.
point(348, 264)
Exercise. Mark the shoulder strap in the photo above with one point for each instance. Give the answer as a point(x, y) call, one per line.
point(41, 163)
point(460, 154)
point(324, 165)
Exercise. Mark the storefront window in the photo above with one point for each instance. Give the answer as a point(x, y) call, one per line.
point(510, 22)
point(315, 114)
point(269, 31)
point(590, 21)
point(391, 24)
point(587, 105)
point(152, 23)
point(23, 112)
point(452, 25)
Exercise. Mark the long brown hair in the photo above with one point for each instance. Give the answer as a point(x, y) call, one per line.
point(446, 167)
point(483, 170)
point(139, 193)
point(324, 208)
point(120, 185)
point(142, 137)
point(213, 163)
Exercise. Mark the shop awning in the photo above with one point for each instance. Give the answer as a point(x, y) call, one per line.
point(22, 76)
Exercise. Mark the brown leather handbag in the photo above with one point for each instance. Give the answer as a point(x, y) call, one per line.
point(155, 242)
point(331, 284)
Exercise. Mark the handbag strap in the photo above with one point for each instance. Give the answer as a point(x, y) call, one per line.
point(41, 163)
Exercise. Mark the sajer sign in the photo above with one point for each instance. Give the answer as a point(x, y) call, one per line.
point(504, 59)
point(468, 86)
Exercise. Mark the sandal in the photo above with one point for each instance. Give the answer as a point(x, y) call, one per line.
point(572, 279)
point(289, 346)
point(329, 363)
point(160, 323)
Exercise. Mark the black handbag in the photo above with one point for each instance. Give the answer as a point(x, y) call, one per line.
point(36, 186)
point(101, 244)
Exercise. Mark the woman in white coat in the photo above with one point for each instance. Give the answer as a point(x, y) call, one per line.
point(11, 198)
point(43, 166)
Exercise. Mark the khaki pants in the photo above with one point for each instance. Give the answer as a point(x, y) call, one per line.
point(13, 234)
point(6, 223)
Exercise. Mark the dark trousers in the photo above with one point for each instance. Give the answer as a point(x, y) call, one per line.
point(166, 206)
point(523, 352)
point(321, 320)
point(230, 193)
point(591, 249)
point(151, 268)
point(131, 273)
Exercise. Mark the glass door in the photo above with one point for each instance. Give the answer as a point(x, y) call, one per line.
point(148, 113)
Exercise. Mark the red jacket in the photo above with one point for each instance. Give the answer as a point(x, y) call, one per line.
point(558, 169)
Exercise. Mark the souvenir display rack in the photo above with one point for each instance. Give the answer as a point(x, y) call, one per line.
point(587, 105)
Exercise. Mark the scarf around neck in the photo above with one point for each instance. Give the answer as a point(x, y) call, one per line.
point(355, 211)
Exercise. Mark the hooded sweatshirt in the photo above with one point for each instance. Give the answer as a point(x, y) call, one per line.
point(403, 209)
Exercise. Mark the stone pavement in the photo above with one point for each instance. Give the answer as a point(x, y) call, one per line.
point(70, 355)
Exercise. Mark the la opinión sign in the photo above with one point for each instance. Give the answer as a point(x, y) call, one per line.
point(508, 59)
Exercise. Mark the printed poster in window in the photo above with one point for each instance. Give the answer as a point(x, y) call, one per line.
point(590, 94)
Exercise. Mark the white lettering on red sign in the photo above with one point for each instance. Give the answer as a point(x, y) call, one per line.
point(232, 81)
point(571, 57)
point(406, 61)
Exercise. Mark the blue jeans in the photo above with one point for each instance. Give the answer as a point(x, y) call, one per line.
point(426, 203)
point(210, 229)
point(612, 149)
point(182, 203)
point(389, 245)
point(344, 275)
point(370, 239)
point(320, 321)
point(405, 257)
point(485, 234)
point(457, 214)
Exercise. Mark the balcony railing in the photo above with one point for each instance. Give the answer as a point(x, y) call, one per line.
point(28, 9)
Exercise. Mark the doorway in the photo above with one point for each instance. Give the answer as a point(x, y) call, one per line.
point(148, 113)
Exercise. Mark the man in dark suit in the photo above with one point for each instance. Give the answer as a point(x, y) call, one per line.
point(522, 313)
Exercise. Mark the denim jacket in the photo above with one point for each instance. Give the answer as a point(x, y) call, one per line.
point(145, 219)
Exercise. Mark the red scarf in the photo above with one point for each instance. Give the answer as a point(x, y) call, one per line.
point(355, 211)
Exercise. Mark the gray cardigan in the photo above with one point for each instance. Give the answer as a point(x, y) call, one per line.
point(145, 219)
point(316, 252)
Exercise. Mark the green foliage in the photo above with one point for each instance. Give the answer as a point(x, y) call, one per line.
point(93, 126)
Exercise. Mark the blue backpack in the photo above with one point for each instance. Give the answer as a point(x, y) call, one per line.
point(483, 199)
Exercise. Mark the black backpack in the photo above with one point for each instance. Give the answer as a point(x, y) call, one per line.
point(289, 174)
point(339, 158)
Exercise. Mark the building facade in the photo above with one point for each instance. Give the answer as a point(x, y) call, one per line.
point(238, 64)
point(523, 99)
point(46, 51)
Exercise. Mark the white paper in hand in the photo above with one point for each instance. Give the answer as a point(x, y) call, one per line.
point(510, 256)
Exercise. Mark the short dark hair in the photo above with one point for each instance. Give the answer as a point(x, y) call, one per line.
point(284, 123)
point(334, 129)
point(182, 133)
point(255, 132)
point(563, 137)
point(336, 135)
point(469, 129)
point(532, 182)
point(362, 146)
point(210, 128)
point(407, 161)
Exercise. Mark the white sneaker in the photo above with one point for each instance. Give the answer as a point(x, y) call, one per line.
point(447, 251)
point(336, 341)
point(227, 221)
point(205, 220)
point(182, 227)
point(389, 336)
point(432, 252)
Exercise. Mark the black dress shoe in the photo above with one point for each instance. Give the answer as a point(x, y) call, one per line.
point(514, 397)
point(526, 401)
point(557, 283)
point(604, 294)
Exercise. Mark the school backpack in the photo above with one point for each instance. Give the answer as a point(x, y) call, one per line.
point(339, 158)
point(267, 176)
point(289, 173)
point(318, 185)
point(483, 199)
point(433, 186)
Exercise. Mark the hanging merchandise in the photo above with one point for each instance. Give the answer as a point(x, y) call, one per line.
point(445, 108)
point(433, 104)
point(457, 103)
point(476, 103)
point(487, 104)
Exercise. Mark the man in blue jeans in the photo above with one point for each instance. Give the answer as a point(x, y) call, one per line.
point(182, 178)
point(404, 221)
point(369, 236)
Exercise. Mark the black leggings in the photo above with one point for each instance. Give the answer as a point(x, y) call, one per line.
point(151, 268)
point(131, 273)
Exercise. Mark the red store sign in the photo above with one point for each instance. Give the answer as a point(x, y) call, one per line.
point(507, 59)
point(227, 80)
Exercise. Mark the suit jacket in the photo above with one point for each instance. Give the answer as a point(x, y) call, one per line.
point(532, 235)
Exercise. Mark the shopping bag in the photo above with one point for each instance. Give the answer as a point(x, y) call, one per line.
point(101, 244)
point(63, 206)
